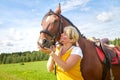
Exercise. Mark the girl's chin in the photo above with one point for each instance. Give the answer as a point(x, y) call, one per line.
point(61, 40)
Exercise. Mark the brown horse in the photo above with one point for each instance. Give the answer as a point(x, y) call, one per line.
point(91, 66)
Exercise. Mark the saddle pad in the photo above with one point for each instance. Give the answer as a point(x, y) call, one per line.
point(118, 52)
point(100, 54)
point(114, 60)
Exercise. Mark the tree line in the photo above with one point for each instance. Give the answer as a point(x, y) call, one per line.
point(116, 41)
point(27, 56)
point(19, 57)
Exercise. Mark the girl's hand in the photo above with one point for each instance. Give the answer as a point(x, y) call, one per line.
point(53, 48)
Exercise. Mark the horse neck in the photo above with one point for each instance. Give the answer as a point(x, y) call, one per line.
point(65, 23)
point(81, 43)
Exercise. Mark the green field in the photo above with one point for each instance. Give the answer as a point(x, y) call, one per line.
point(28, 71)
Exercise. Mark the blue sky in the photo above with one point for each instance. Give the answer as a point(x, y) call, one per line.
point(20, 20)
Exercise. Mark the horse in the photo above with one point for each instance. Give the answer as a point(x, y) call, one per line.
point(92, 68)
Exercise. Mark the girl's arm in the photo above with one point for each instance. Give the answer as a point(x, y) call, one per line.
point(71, 61)
point(50, 64)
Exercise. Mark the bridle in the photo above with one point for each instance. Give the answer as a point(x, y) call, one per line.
point(59, 31)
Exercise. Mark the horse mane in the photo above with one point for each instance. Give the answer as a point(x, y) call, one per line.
point(73, 26)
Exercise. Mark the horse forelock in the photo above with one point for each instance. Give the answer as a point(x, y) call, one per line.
point(49, 13)
point(46, 15)
point(47, 19)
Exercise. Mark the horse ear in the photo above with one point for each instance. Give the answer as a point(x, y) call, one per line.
point(58, 10)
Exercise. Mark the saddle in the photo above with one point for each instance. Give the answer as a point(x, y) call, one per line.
point(104, 50)
point(108, 55)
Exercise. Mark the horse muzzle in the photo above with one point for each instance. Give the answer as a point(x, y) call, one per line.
point(44, 43)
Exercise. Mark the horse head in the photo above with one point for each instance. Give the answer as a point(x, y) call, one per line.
point(52, 26)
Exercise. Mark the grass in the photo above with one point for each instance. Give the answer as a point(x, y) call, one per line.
point(28, 71)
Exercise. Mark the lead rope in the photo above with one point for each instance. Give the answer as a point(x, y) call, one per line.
point(60, 29)
point(55, 69)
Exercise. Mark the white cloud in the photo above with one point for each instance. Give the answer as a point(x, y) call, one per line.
point(72, 4)
point(15, 35)
point(19, 40)
point(19, 34)
point(104, 16)
point(7, 43)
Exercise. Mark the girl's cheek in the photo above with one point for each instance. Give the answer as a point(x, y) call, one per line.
point(64, 37)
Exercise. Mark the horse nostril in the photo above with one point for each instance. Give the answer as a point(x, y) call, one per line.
point(44, 41)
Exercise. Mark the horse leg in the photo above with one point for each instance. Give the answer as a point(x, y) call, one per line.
point(116, 72)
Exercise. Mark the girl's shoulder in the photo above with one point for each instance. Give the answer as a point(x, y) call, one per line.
point(77, 50)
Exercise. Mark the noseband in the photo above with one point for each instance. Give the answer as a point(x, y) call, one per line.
point(54, 36)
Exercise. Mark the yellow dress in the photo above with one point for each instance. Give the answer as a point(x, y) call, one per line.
point(73, 74)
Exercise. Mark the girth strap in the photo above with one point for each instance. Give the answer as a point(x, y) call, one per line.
point(107, 64)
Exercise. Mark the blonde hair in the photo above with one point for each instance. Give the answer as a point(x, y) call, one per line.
point(72, 33)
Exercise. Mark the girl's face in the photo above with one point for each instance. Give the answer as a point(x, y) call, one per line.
point(64, 38)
